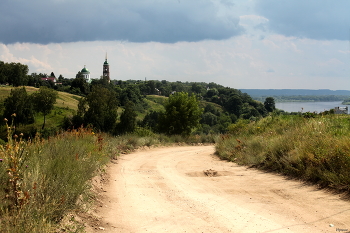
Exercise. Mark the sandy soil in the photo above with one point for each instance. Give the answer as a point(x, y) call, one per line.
point(167, 190)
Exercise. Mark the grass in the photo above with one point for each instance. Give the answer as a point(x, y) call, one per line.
point(44, 180)
point(160, 100)
point(64, 100)
point(66, 105)
point(315, 149)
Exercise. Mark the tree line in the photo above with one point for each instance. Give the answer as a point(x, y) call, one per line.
point(192, 107)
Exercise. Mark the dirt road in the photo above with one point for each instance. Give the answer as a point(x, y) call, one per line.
point(166, 190)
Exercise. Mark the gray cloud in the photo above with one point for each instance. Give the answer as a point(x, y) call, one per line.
point(315, 19)
point(170, 21)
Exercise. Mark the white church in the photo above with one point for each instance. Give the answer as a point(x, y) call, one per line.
point(86, 73)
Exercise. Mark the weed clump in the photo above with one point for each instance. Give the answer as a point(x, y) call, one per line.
point(41, 180)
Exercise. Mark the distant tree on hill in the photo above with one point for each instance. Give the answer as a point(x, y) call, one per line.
point(44, 101)
point(60, 78)
point(182, 114)
point(20, 103)
point(15, 73)
point(150, 121)
point(3, 77)
point(79, 86)
point(270, 104)
point(127, 122)
point(99, 108)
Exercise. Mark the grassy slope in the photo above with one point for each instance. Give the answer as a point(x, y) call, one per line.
point(64, 100)
point(66, 104)
point(312, 149)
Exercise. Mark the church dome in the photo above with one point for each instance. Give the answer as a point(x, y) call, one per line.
point(106, 63)
point(84, 70)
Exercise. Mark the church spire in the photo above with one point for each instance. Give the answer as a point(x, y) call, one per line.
point(106, 70)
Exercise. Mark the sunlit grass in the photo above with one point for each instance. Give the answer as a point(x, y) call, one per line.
point(64, 100)
point(314, 149)
point(42, 180)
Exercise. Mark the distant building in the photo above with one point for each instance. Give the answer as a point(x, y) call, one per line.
point(106, 70)
point(341, 110)
point(86, 74)
point(49, 78)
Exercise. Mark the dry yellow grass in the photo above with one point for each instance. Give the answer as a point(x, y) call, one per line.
point(64, 99)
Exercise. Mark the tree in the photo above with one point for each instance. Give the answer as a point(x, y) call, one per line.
point(44, 101)
point(18, 74)
point(234, 104)
point(127, 119)
point(3, 76)
point(182, 114)
point(60, 78)
point(197, 88)
point(80, 84)
point(19, 102)
point(150, 120)
point(209, 118)
point(130, 93)
point(270, 104)
point(99, 108)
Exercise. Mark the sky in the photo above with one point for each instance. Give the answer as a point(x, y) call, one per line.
point(243, 44)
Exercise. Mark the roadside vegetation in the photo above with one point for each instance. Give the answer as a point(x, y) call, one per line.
point(57, 136)
point(309, 147)
point(42, 180)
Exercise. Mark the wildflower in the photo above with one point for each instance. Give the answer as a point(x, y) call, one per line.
point(0, 160)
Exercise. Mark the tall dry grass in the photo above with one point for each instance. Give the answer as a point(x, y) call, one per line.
point(41, 180)
point(315, 149)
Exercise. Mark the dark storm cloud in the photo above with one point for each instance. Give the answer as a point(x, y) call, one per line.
point(315, 19)
point(47, 21)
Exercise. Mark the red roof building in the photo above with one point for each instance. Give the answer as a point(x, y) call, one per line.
point(47, 78)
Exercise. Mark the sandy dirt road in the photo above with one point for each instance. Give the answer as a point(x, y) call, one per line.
point(166, 190)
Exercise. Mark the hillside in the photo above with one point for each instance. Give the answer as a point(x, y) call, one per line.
point(66, 105)
point(64, 100)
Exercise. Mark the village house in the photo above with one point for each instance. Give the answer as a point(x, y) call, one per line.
point(49, 78)
point(341, 110)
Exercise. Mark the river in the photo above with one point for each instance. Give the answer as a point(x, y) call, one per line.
point(308, 106)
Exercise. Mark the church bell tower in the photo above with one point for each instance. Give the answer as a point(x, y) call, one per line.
point(106, 70)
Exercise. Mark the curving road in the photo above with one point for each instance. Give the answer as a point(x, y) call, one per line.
point(166, 190)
